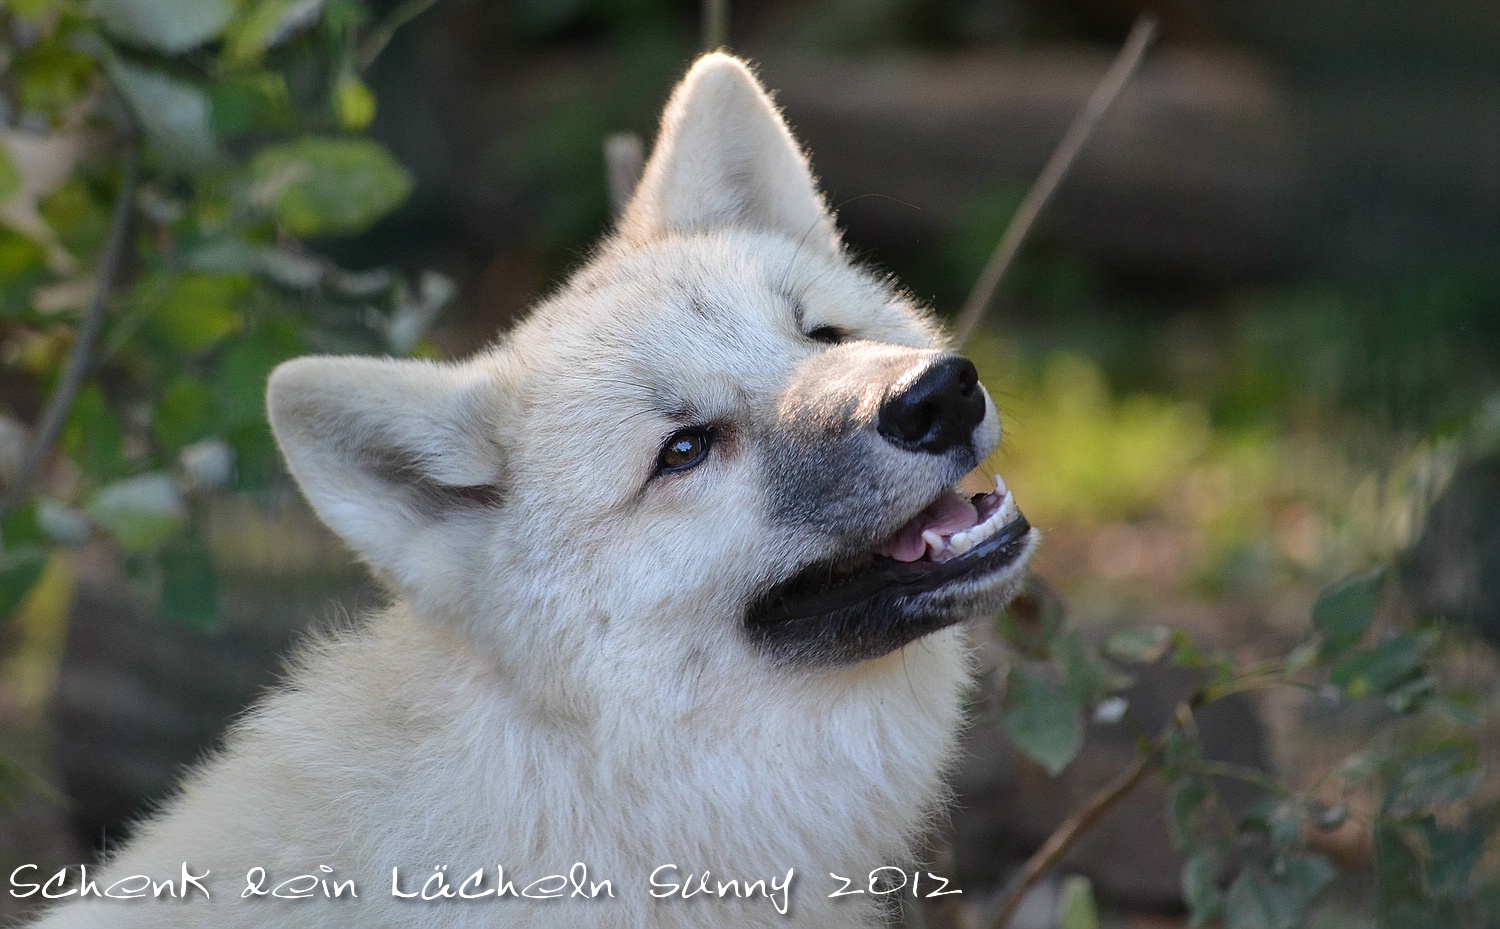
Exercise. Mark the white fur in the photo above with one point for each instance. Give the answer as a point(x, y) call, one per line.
point(562, 678)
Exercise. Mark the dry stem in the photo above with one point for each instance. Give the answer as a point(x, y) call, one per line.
point(1115, 79)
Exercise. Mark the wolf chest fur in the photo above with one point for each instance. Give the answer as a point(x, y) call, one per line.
point(678, 571)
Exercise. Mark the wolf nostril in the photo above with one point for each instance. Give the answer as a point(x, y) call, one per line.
point(937, 411)
point(968, 379)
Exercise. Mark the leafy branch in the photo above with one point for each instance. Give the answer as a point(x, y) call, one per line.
point(164, 163)
point(1422, 777)
point(81, 357)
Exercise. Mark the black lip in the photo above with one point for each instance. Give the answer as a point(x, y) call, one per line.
point(827, 587)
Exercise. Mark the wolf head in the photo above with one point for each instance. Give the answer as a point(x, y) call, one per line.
point(721, 451)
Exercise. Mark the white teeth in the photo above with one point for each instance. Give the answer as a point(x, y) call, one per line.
point(1000, 486)
point(962, 542)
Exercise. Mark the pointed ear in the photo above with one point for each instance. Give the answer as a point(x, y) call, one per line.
point(400, 458)
point(724, 157)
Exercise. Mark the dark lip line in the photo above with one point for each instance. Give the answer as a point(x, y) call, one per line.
point(911, 578)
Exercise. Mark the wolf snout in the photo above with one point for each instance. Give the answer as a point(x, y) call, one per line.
point(934, 408)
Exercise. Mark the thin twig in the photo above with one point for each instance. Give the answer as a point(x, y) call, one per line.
point(1115, 79)
point(81, 358)
point(387, 30)
point(1245, 775)
point(1076, 826)
point(1066, 835)
point(715, 25)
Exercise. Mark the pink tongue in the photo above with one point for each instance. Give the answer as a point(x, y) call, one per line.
point(950, 514)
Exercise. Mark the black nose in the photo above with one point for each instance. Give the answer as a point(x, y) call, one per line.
point(937, 411)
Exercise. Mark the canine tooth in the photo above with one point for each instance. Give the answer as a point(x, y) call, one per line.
point(933, 540)
point(975, 482)
point(1000, 486)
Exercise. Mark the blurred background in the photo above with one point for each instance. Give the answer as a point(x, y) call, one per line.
point(1252, 347)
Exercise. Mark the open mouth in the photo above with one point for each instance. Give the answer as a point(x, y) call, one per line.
point(959, 536)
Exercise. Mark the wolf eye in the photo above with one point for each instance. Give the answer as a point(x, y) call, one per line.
point(684, 449)
point(832, 335)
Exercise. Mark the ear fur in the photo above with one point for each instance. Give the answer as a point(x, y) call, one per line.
point(395, 456)
point(724, 157)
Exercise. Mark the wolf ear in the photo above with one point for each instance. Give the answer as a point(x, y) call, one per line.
point(400, 458)
point(724, 157)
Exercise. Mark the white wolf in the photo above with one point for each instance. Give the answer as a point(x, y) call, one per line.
point(678, 567)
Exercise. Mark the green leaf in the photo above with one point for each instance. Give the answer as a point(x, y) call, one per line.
point(245, 102)
point(1044, 721)
point(239, 388)
point(1185, 652)
point(1139, 646)
point(1459, 707)
point(1181, 754)
point(141, 512)
point(256, 461)
point(1085, 677)
point(20, 569)
point(1411, 695)
point(1443, 775)
point(190, 585)
point(354, 104)
point(1398, 870)
point(167, 26)
point(1075, 904)
point(1187, 803)
point(1277, 898)
point(184, 413)
point(1253, 902)
point(1306, 875)
point(1279, 820)
point(1451, 857)
point(93, 437)
point(1343, 613)
point(10, 175)
point(1373, 672)
point(34, 10)
point(268, 23)
point(62, 525)
point(19, 256)
point(195, 312)
point(322, 186)
point(22, 528)
point(175, 115)
point(1200, 884)
point(53, 75)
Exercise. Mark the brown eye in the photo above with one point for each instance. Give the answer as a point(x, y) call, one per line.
point(684, 449)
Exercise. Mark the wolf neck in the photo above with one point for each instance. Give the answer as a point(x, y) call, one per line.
point(833, 772)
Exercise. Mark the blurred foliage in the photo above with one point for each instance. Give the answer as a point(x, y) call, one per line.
point(249, 115)
point(1224, 451)
point(1410, 797)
